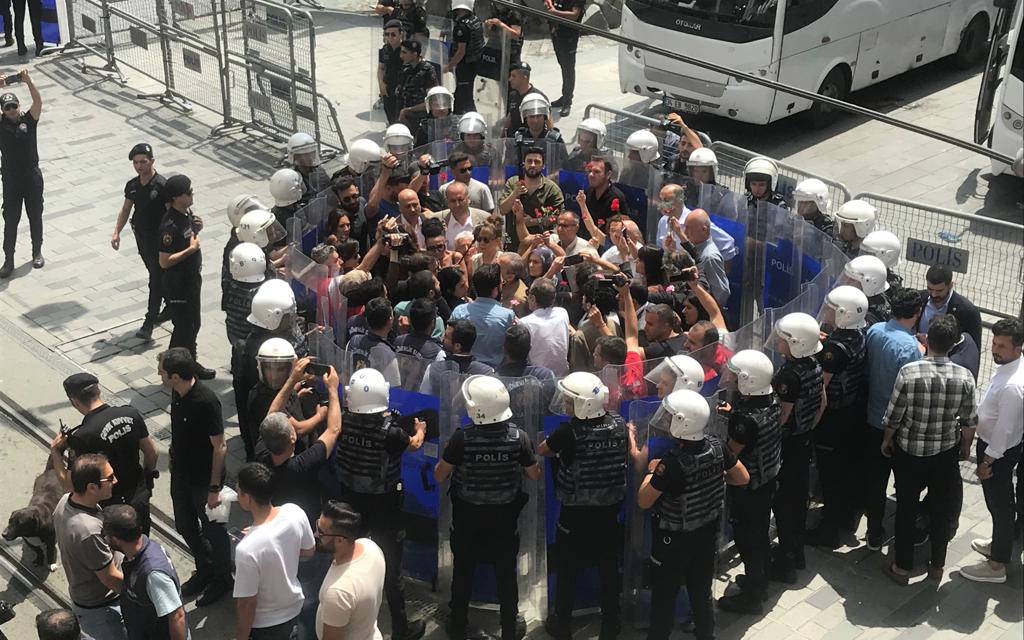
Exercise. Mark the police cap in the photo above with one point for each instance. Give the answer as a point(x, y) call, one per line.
point(177, 185)
point(521, 66)
point(141, 148)
point(413, 45)
point(8, 98)
point(76, 383)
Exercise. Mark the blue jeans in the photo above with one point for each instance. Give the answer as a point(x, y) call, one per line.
point(312, 572)
point(101, 623)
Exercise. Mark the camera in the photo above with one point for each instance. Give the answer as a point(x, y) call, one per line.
point(434, 166)
point(573, 260)
point(668, 125)
point(397, 239)
point(620, 279)
point(318, 369)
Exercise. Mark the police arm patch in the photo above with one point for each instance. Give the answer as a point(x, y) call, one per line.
point(167, 239)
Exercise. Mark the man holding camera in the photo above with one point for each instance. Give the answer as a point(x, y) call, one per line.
point(22, 179)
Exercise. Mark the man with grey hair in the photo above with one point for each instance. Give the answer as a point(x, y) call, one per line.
point(566, 236)
point(513, 289)
point(671, 204)
point(58, 624)
point(460, 217)
point(697, 229)
point(549, 328)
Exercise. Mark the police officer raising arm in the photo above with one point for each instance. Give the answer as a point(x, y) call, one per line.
point(19, 166)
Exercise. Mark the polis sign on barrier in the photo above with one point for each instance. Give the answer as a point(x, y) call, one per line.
point(929, 253)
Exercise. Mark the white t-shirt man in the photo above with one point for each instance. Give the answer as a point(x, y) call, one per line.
point(351, 594)
point(549, 339)
point(267, 565)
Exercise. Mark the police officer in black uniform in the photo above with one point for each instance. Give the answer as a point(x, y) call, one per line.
point(755, 436)
point(488, 459)
point(761, 177)
point(418, 348)
point(145, 195)
point(19, 166)
point(686, 487)
point(799, 386)
point(389, 69)
point(119, 433)
point(536, 113)
point(843, 360)
point(418, 77)
point(519, 86)
point(565, 41)
point(468, 38)
point(182, 261)
point(593, 451)
point(510, 21)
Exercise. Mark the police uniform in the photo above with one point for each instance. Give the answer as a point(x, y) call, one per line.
point(823, 223)
point(487, 496)
point(182, 282)
point(417, 79)
point(878, 309)
point(754, 423)
point(565, 40)
point(314, 180)
point(844, 355)
point(684, 536)
point(480, 156)
point(549, 139)
point(578, 160)
point(148, 208)
point(512, 102)
point(467, 30)
point(799, 382)
point(433, 129)
point(413, 18)
point(894, 279)
point(590, 483)
point(390, 59)
point(512, 18)
point(22, 180)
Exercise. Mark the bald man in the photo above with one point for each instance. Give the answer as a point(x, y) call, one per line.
point(671, 204)
point(411, 216)
point(697, 228)
point(460, 216)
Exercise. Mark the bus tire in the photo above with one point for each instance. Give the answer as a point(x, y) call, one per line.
point(834, 85)
point(972, 47)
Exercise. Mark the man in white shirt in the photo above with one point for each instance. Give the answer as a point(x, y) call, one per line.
point(671, 205)
point(621, 233)
point(461, 166)
point(567, 226)
point(459, 217)
point(268, 593)
point(353, 590)
point(549, 328)
point(1000, 431)
point(410, 219)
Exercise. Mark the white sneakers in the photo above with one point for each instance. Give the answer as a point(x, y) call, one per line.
point(983, 571)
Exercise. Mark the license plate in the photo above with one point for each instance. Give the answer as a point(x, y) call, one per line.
point(688, 106)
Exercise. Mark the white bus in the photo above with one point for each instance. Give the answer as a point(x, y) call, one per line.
point(999, 119)
point(828, 46)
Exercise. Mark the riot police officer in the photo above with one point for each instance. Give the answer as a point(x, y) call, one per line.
point(418, 76)
point(365, 472)
point(701, 170)
point(811, 202)
point(676, 373)
point(440, 124)
point(590, 135)
point(755, 436)
point(869, 274)
point(799, 385)
point(887, 247)
point(238, 207)
point(843, 360)
point(289, 191)
point(686, 487)
point(593, 449)
point(473, 139)
point(262, 228)
point(761, 177)
point(22, 179)
point(535, 112)
point(468, 38)
point(247, 266)
point(304, 157)
point(488, 459)
point(641, 155)
point(363, 165)
point(182, 261)
point(856, 220)
point(510, 21)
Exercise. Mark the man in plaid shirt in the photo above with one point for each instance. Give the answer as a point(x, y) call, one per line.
point(932, 401)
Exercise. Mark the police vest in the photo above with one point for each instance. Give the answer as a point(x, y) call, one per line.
point(763, 459)
point(237, 305)
point(594, 474)
point(489, 473)
point(418, 345)
point(137, 608)
point(846, 388)
point(465, 364)
point(359, 349)
point(362, 462)
point(801, 420)
point(878, 309)
point(701, 502)
point(476, 37)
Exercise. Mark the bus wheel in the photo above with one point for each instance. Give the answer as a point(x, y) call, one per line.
point(972, 43)
point(820, 115)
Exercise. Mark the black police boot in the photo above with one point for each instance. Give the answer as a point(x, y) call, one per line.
point(7, 269)
point(414, 630)
point(744, 584)
point(565, 110)
point(743, 602)
point(39, 49)
point(8, 41)
point(145, 332)
point(164, 315)
point(205, 374)
point(823, 536)
point(22, 50)
point(194, 585)
point(558, 103)
point(215, 591)
point(557, 628)
point(37, 260)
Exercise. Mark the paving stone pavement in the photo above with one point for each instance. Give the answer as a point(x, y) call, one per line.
point(87, 302)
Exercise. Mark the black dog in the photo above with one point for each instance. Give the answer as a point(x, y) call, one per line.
point(34, 523)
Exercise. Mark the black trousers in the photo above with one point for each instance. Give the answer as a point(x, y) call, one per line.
point(998, 491)
point(585, 536)
point(565, 43)
point(485, 533)
point(35, 9)
point(139, 501)
point(465, 77)
point(149, 251)
point(240, 388)
point(838, 456)
point(750, 512)
point(683, 558)
point(207, 540)
point(5, 13)
point(391, 105)
point(22, 189)
point(939, 474)
point(790, 503)
point(875, 479)
point(183, 291)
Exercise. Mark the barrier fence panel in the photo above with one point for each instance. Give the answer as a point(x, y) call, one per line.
point(89, 29)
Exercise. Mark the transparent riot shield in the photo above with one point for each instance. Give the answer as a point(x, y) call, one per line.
point(525, 396)
point(640, 184)
point(730, 233)
point(490, 92)
point(437, 49)
point(381, 104)
point(441, 130)
point(324, 349)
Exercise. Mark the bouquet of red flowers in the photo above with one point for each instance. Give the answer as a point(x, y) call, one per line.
point(542, 219)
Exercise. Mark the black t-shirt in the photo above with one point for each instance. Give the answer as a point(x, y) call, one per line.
point(465, 31)
point(601, 208)
point(569, 5)
point(175, 234)
point(195, 418)
point(454, 450)
point(115, 432)
point(787, 384)
point(20, 154)
point(665, 348)
point(512, 18)
point(388, 56)
point(668, 476)
point(295, 479)
point(149, 202)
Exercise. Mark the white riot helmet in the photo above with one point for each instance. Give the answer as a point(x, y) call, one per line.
point(801, 332)
point(247, 263)
point(240, 206)
point(286, 187)
point(847, 305)
point(753, 371)
point(463, 4)
point(703, 157)
point(884, 245)
point(275, 359)
point(534, 104)
point(858, 213)
point(273, 301)
point(595, 127)
point(645, 143)
point(367, 392)
point(684, 414)
point(362, 154)
point(676, 373)
point(397, 139)
point(486, 400)
point(472, 122)
point(869, 272)
point(812, 190)
point(261, 228)
point(584, 392)
point(303, 150)
point(439, 97)
point(761, 168)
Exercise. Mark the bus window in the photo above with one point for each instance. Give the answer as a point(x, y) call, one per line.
point(1017, 66)
point(800, 13)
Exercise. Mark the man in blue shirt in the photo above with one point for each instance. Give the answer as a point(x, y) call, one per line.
point(890, 345)
point(487, 315)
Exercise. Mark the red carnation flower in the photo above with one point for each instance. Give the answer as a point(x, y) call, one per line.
point(615, 204)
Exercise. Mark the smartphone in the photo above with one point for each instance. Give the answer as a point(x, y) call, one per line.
point(318, 369)
point(12, 79)
point(620, 279)
point(236, 534)
point(573, 260)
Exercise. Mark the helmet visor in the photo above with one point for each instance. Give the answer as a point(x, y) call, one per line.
point(661, 421)
point(275, 233)
point(664, 378)
point(274, 371)
point(562, 403)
